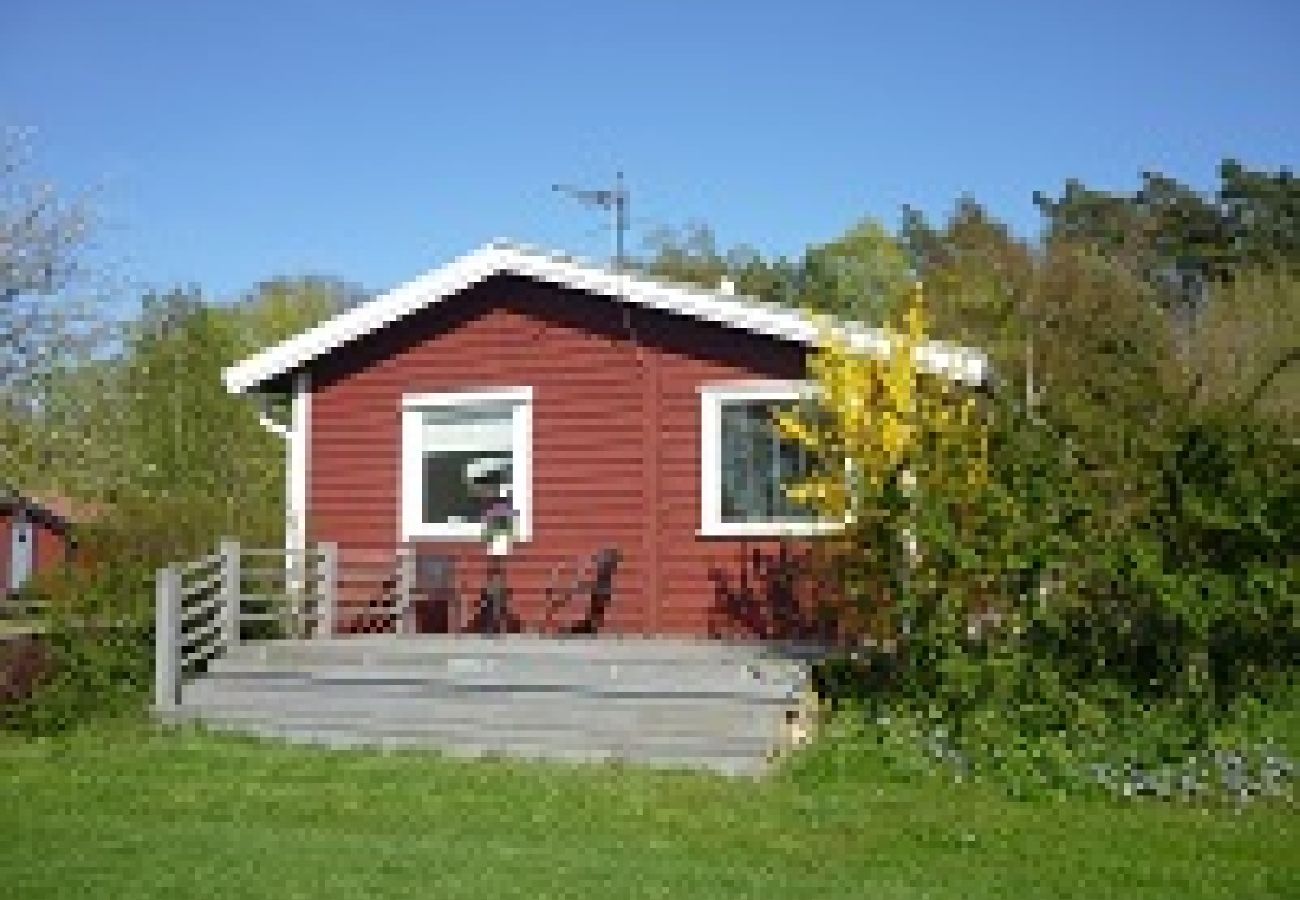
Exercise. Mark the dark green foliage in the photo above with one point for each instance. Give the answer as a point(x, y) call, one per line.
point(95, 649)
point(1261, 216)
point(1065, 634)
point(1179, 240)
point(1131, 590)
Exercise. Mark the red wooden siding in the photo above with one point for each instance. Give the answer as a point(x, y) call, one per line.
point(51, 549)
point(616, 451)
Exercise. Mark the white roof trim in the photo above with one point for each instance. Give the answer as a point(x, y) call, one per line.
point(733, 311)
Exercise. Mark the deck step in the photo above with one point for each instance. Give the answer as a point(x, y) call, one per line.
point(353, 648)
point(504, 733)
point(678, 703)
point(744, 762)
point(715, 724)
point(594, 680)
point(482, 703)
point(529, 659)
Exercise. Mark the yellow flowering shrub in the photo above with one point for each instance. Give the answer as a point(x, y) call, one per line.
point(894, 441)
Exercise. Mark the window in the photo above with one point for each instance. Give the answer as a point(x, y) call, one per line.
point(460, 452)
point(746, 463)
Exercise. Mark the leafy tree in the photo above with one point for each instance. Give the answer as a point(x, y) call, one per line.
point(688, 256)
point(1261, 216)
point(174, 462)
point(150, 432)
point(1121, 569)
point(980, 284)
point(1245, 348)
point(1180, 241)
point(44, 237)
point(280, 307)
point(863, 275)
point(692, 256)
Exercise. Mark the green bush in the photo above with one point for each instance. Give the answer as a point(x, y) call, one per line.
point(1088, 635)
point(98, 614)
point(97, 649)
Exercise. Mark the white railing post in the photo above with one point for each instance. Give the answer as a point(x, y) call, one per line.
point(405, 582)
point(296, 562)
point(231, 581)
point(167, 637)
point(328, 574)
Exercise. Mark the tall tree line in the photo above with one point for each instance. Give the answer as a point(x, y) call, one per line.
point(1202, 286)
point(1130, 305)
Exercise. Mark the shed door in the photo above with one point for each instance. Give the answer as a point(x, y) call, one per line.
point(22, 539)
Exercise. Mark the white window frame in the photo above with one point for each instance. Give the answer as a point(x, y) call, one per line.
point(712, 397)
point(411, 501)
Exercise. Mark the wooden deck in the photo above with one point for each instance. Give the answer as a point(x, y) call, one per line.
point(236, 652)
point(674, 703)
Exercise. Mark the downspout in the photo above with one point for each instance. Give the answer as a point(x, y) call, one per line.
point(296, 436)
point(295, 505)
point(285, 433)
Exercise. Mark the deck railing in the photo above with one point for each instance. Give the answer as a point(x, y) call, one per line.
point(237, 593)
point(207, 606)
point(385, 585)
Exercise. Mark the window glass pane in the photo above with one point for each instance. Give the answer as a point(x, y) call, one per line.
point(757, 462)
point(746, 462)
point(450, 494)
point(467, 455)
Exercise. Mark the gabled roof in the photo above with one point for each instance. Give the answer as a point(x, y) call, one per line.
point(731, 311)
point(54, 510)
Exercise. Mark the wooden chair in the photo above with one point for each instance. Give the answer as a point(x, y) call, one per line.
point(598, 587)
point(438, 607)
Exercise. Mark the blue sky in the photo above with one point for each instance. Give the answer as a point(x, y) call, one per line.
point(233, 141)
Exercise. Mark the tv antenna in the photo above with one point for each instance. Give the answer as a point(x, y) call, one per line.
point(613, 200)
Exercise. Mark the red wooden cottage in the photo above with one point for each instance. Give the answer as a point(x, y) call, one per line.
point(610, 411)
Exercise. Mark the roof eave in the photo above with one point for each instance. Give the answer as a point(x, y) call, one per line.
point(739, 312)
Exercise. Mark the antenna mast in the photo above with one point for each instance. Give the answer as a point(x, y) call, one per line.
point(613, 200)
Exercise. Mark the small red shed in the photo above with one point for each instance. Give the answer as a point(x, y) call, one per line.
point(608, 410)
point(35, 536)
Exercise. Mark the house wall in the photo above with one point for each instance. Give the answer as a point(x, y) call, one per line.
point(51, 549)
point(616, 454)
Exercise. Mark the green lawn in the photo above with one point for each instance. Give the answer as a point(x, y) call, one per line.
point(122, 812)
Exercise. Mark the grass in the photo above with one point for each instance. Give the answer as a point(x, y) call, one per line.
point(122, 811)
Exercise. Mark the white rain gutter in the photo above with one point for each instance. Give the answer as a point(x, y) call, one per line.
point(297, 435)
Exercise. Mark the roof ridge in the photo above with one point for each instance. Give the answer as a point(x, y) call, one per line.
point(561, 256)
point(738, 311)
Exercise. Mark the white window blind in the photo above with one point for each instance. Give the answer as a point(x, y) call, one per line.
point(485, 427)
